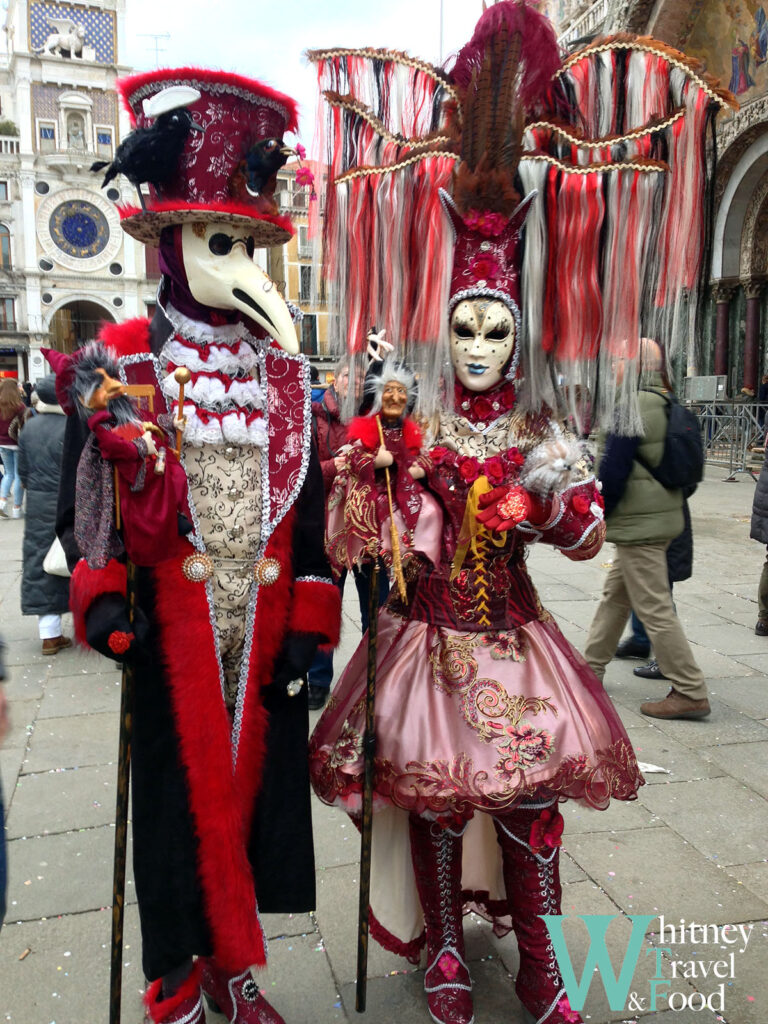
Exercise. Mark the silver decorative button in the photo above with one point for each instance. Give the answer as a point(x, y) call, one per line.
point(485, 246)
point(236, 531)
point(230, 453)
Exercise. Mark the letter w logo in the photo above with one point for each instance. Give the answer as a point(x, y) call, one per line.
point(616, 988)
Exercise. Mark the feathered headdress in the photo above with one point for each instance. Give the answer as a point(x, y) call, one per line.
point(612, 142)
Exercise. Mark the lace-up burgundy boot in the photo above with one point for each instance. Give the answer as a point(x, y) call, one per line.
point(436, 855)
point(237, 997)
point(185, 1006)
point(530, 843)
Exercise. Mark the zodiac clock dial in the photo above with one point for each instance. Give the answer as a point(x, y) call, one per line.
point(79, 229)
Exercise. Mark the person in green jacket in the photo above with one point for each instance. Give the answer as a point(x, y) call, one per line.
point(642, 517)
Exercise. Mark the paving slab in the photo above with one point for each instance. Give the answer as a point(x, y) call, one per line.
point(49, 802)
point(753, 876)
point(81, 694)
point(24, 682)
point(64, 976)
point(656, 747)
point(747, 694)
point(22, 722)
point(62, 874)
point(724, 725)
point(620, 815)
point(277, 926)
point(655, 871)
point(74, 741)
point(728, 802)
point(337, 841)
point(299, 982)
point(727, 639)
point(401, 998)
point(756, 662)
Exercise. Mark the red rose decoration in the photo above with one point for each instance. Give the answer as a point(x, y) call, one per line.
point(482, 409)
point(494, 470)
point(487, 224)
point(438, 455)
point(515, 456)
point(485, 268)
point(580, 503)
point(546, 831)
point(119, 641)
point(469, 469)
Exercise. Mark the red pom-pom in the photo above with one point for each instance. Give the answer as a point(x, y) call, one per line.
point(119, 641)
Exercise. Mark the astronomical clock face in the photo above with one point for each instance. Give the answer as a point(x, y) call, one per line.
point(78, 229)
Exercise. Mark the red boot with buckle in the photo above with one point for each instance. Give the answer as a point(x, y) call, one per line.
point(185, 1006)
point(236, 996)
point(436, 855)
point(530, 843)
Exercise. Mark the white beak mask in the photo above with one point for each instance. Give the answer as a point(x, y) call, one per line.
point(482, 342)
point(218, 260)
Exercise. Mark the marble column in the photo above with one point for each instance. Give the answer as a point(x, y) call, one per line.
point(722, 293)
point(752, 291)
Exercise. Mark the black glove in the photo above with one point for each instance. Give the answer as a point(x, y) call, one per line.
point(295, 658)
point(108, 631)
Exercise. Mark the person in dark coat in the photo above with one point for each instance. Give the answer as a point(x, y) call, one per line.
point(40, 449)
point(759, 532)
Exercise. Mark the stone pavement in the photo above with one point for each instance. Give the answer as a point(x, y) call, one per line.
point(693, 846)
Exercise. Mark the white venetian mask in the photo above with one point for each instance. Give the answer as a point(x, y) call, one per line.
point(482, 341)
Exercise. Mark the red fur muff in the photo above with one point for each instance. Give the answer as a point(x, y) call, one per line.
point(539, 50)
point(88, 584)
point(126, 87)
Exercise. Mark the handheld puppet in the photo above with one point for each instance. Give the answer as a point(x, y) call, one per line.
point(147, 487)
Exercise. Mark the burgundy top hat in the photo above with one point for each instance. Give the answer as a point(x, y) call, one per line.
point(210, 183)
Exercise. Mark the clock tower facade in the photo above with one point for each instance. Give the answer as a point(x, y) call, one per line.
point(65, 264)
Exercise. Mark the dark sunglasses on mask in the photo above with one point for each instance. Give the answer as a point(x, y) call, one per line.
point(221, 244)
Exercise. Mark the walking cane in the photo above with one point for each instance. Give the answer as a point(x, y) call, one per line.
point(121, 816)
point(123, 767)
point(366, 824)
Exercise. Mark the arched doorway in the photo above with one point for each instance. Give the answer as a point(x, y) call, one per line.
point(77, 322)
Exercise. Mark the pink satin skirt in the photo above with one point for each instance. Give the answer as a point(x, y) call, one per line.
point(474, 721)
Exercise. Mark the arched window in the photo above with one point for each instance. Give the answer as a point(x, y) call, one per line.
point(5, 247)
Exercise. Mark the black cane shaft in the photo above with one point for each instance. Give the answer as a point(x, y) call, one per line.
point(121, 820)
point(366, 823)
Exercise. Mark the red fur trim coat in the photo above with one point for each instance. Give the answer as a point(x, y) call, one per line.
point(221, 800)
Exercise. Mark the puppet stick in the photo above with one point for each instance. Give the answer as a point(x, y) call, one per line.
point(181, 376)
point(121, 815)
point(397, 563)
point(366, 821)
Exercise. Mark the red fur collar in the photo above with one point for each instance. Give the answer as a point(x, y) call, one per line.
point(128, 338)
point(365, 429)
